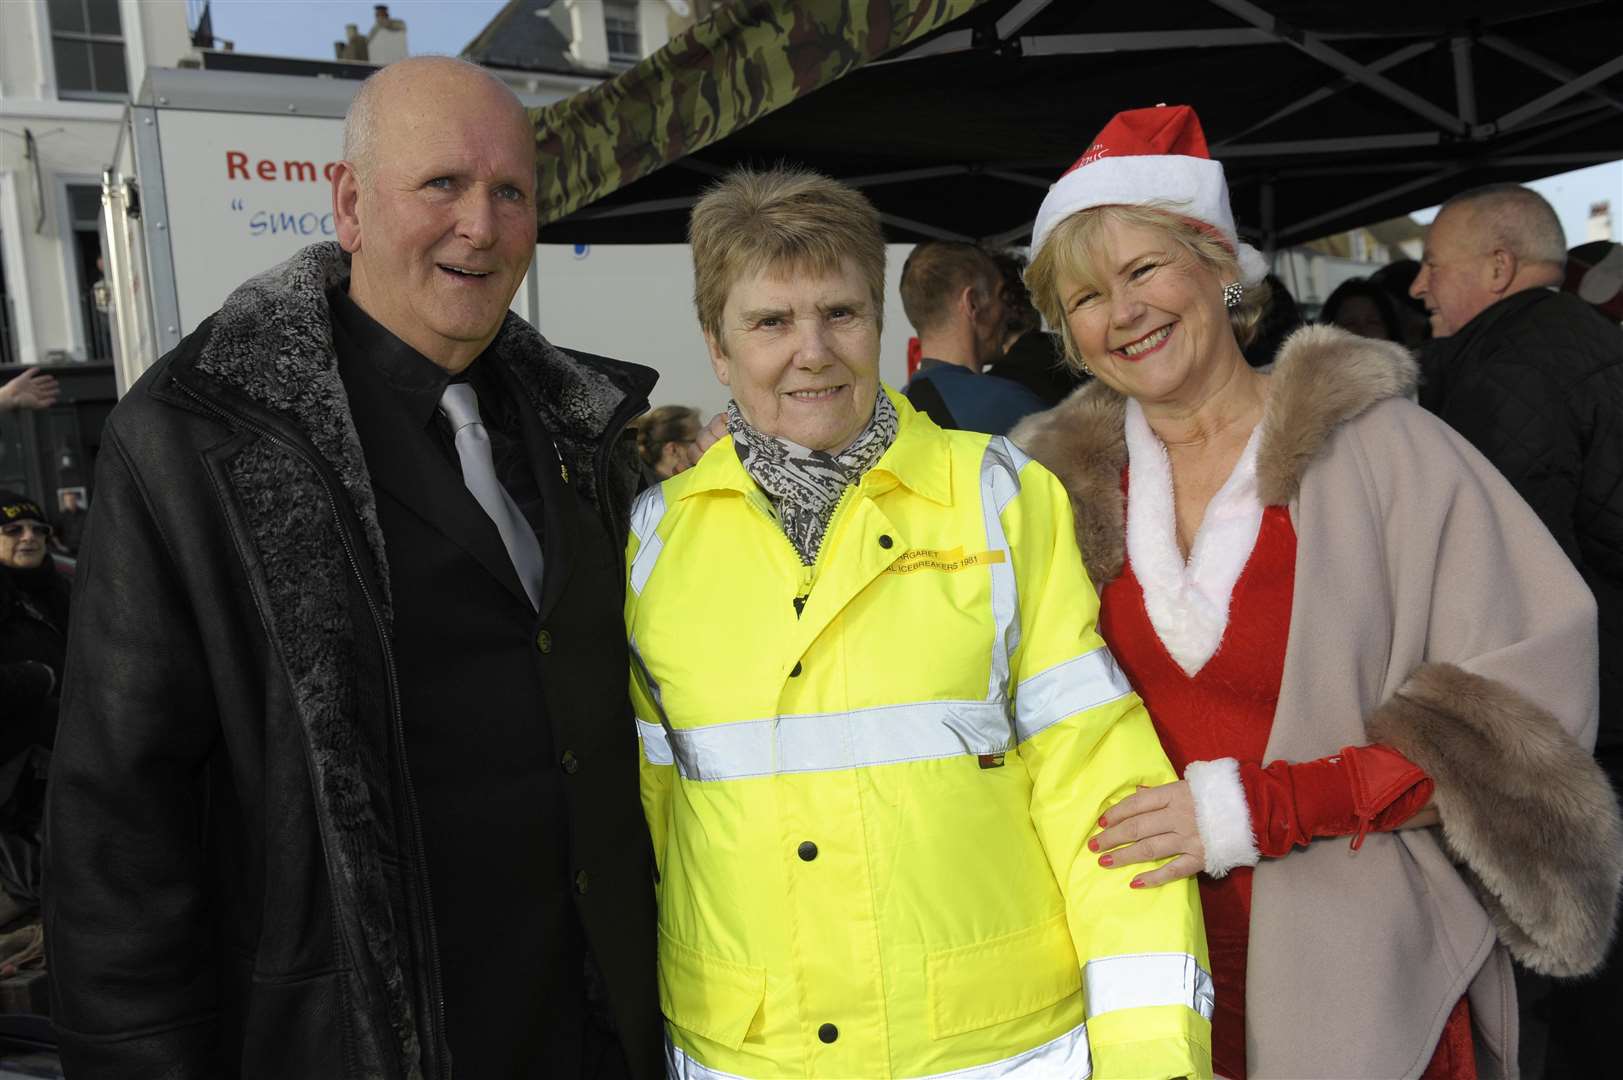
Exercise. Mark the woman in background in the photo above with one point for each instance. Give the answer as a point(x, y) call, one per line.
point(663, 437)
point(1364, 308)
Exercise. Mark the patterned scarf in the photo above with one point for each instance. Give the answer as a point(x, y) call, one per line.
point(805, 485)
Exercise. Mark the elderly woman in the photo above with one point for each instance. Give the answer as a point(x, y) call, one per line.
point(874, 745)
point(1344, 623)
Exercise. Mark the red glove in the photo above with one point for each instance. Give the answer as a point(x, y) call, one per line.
point(1359, 790)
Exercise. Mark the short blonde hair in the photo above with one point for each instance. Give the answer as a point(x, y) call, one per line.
point(786, 217)
point(1074, 251)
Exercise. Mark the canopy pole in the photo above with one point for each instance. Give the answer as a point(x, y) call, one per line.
point(1385, 63)
point(1548, 67)
point(1557, 132)
point(1561, 93)
point(1343, 63)
point(1464, 79)
point(1269, 237)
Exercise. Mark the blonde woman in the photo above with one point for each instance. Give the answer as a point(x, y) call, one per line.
point(1346, 627)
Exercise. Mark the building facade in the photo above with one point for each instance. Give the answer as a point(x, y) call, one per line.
point(67, 67)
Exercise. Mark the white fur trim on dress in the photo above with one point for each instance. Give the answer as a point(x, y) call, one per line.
point(1222, 815)
point(1188, 603)
point(1191, 186)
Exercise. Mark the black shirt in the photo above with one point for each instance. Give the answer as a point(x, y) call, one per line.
point(479, 743)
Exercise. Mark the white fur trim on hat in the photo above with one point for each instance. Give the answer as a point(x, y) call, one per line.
point(1222, 815)
point(1189, 186)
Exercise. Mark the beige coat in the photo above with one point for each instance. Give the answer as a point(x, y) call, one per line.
point(1432, 612)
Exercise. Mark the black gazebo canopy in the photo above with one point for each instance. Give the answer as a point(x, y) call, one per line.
point(1326, 116)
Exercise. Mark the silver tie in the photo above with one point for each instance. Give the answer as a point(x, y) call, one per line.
point(461, 407)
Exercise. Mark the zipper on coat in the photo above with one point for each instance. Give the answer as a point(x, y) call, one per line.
point(436, 990)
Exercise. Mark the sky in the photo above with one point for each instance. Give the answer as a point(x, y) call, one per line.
point(1572, 194)
point(308, 28)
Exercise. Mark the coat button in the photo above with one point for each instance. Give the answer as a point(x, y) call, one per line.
point(828, 1033)
point(569, 763)
point(807, 850)
point(885, 542)
point(794, 672)
point(543, 641)
point(581, 883)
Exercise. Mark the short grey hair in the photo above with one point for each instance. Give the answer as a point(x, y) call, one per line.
point(360, 121)
point(1515, 218)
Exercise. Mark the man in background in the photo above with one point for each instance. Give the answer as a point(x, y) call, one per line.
point(953, 295)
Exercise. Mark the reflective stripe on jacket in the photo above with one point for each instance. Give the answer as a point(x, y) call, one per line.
point(870, 783)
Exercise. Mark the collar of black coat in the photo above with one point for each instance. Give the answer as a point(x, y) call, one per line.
point(1440, 360)
point(1323, 377)
point(272, 342)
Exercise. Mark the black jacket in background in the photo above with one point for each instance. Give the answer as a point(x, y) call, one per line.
point(236, 878)
point(33, 638)
point(1535, 382)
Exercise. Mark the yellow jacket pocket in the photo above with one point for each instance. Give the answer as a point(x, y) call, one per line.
point(713, 998)
point(1001, 979)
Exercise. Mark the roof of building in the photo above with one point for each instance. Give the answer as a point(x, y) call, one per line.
point(523, 38)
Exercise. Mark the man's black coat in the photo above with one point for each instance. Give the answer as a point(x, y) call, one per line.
point(235, 880)
point(1535, 382)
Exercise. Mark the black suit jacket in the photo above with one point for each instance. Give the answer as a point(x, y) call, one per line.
point(482, 742)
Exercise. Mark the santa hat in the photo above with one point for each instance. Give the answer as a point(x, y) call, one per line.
point(1150, 156)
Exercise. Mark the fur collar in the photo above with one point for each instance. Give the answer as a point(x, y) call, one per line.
point(272, 342)
point(1323, 378)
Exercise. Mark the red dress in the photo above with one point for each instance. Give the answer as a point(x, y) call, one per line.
point(1226, 709)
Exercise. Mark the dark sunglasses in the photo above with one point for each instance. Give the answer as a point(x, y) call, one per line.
point(15, 529)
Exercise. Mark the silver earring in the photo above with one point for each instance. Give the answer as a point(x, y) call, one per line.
point(1233, 293)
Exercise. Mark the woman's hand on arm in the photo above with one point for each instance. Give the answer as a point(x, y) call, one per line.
point(1152, 824)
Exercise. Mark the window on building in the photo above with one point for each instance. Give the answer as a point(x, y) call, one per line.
point(620, 27)
point(87, 41)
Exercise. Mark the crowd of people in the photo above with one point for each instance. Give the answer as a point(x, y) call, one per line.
point(1153, 686)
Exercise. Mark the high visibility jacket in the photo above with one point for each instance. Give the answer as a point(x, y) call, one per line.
point(871, 781)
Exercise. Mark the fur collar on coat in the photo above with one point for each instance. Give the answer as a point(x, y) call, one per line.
point(272, 341)
point(1322, 378)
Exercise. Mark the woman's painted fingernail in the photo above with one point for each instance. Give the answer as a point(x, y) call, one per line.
point(1137, 883)
point(1106, 860)
point(1102, 824)
point(1093, 845)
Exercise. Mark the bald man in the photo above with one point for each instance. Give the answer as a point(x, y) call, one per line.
point(345, 784)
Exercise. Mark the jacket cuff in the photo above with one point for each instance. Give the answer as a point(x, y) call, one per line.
point(1222, 815)
point(1523, 806)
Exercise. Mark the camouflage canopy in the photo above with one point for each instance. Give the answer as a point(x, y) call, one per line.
point(747, 59)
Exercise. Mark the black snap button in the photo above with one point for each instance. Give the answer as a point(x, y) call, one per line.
point(885, 542)
point(543, 641)
point(794, 673)
point(581, 883)
point(828, 1033)
point(807, 850)
point(569, 763)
